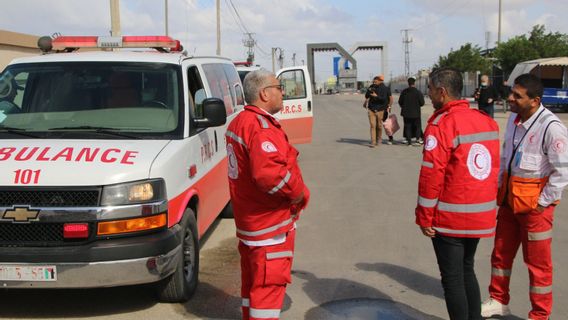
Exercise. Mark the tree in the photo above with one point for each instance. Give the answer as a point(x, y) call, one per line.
point(467, 58)
point(536, 45)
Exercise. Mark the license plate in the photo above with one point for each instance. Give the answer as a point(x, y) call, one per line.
point(28, 273)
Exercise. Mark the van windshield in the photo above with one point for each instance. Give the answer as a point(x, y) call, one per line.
point(66, 99)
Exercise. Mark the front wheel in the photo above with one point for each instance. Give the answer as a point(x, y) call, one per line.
point(181, 285)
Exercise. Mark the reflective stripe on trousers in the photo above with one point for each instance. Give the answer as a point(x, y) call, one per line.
point(501, 272)
point(536, 236)
point(541, 290)
point(264, 313)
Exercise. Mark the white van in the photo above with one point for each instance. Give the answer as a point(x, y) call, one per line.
point(113, 164)
point(297, 115)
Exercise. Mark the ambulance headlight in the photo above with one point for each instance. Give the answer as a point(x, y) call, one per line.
point(134, 192)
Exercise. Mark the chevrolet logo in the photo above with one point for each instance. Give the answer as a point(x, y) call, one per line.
point(21, 214)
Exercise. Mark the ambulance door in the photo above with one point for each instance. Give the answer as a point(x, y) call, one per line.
point(297, 114)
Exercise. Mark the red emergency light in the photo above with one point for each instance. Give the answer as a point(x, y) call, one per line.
point(75, 230)
point(76, 42)
point(242, 63)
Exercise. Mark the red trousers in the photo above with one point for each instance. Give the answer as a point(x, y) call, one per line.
point(534, 232)
point(265, 272)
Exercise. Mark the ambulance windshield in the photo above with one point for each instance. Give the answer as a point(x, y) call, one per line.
point(71, 98)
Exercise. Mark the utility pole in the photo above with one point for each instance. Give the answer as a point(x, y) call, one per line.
point(294, 59)
point(280, 58)
point(273, 53)
point(406, 41)
point(249, 43)
point(499, 25)
point(487, 38)
point(115, 18)
point(218, 27)
point(166, 16)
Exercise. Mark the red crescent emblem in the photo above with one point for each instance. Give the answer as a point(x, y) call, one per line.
point(475, 161)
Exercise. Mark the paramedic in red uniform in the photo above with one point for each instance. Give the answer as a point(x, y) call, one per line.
point(533, 173)
point(457, 189)
point(267, 193)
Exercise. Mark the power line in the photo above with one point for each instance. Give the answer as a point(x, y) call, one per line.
point(239, 25)
point(239, 16)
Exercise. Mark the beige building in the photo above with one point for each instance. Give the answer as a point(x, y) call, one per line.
point(15, 45)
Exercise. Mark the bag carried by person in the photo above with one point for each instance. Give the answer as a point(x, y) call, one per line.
point(391, 125)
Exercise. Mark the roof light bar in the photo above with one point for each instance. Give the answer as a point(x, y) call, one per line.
point(65, 42)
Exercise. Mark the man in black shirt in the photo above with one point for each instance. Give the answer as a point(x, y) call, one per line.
point(377, 99)
point(485, 96)
point(410, 101)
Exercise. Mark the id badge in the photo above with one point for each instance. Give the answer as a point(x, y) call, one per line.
point(529, 162)
point(517, 160)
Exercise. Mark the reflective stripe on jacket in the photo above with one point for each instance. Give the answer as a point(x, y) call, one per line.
point(534, 163)
point(264, 176)
point(458, 176)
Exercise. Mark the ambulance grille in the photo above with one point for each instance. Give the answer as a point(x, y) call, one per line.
point(50, 198)
point(35, 234)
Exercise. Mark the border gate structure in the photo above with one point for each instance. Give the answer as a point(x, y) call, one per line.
point(347, 79)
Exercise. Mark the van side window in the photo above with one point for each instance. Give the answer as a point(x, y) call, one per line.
point(294, 84)
point(219, 84)
point(196, 91)
point(240, 95)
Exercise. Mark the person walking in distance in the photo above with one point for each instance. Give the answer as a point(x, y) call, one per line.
point(457, 189)
point(410, 101)
point(486, 95)
point(378, 99)
point(532, 176)
point(267, 193)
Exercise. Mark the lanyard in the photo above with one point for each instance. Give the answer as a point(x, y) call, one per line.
point(515, 148)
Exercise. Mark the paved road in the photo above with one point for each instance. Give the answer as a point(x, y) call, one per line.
point(359, 253)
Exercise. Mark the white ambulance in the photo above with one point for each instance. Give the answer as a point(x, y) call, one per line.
point(113, 163)
point(297, 114)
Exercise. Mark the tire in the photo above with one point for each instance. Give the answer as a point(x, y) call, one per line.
point(181, 285)
point(227, 212)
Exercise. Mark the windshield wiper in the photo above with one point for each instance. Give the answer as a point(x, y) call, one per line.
point(20, 131)
point(103, 130)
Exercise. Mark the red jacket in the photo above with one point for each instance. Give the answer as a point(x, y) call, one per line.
point(458, 178)
point(264, 176)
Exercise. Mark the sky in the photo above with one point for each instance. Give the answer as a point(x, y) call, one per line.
point(436, 26)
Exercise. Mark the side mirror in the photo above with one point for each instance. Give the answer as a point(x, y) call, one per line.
point(214, 113)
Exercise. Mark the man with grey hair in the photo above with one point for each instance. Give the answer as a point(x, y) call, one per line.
point(268, 194)
point(457, 189)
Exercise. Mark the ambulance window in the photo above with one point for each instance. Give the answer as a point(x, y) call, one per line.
point(219, 84)
point(195, 86)
point(240, 95)
point(64, 98)
point(12, 88)
point(294, 84)
point(233, 78)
